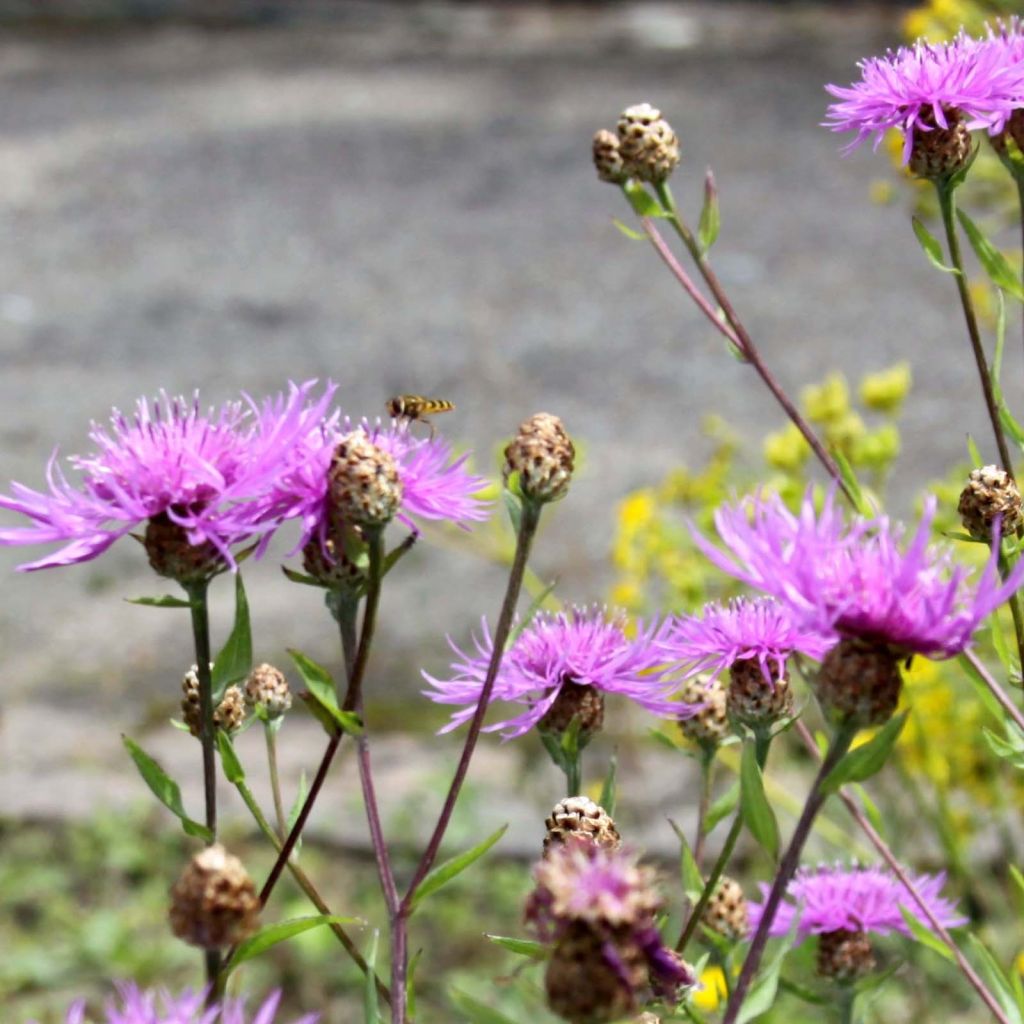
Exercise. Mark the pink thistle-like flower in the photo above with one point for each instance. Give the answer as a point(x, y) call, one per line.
point(199, 469)
point(916, 87)
point(859, 581)
point(434, 485)
point(140, 1006)
point(858, 899)
point(581, 647)
point(761, 630)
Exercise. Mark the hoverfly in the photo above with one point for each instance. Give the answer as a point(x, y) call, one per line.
point(416, 408)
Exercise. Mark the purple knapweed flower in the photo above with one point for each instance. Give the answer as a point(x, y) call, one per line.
point(435, 485)
point(578, 648)
point(199, 469)
point(761, 630)
point(917, 87)
point(140, 1006)
point(856, 899)
point(859, 580)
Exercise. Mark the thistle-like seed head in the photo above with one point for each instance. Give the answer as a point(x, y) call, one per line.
point(364, 487)
point(990, 492)
point(541, 458)
point(649, 147)
point(726, 913)
point(607, 158)
point(579, 819)
point(228, 715)
point(267, 687)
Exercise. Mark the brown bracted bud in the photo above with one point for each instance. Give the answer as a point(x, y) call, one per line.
point(214, 904)
point(575, 700)
point(583, 987)
point(363, 484)
point(845, 957)
point(579, 819)
point(607, 158)
point(755, 701)
point(940, 152)
point(267, 687)
point(649, 147)
point(540, 458)
point(710, 725)
point(990, 492)
point(171, 555)
point(229, 715)
point(726, 913)
point(859, 683)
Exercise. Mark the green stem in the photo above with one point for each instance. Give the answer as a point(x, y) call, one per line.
point(947, 204)
point(270, 734)
point(846, 997)
point(198, 593)
point(787, 868)
point(1015, 613)
point(572, 776)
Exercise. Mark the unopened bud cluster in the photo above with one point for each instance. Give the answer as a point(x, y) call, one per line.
point(267, 688)
point(214, 904)
point(726, 913)
point(363, 484)
point(990, 493)
point(644, 146)
point(709, 726)
point(228, 715)
point(540, 458)
point(579, 819)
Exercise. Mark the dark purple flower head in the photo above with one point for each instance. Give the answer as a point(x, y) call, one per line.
point(434, 485)
point(859, 581)
point(199, 469)
point(581, 647)
point(139, 1006)
point(761, 630)
point(857, 899)
point(916, 88)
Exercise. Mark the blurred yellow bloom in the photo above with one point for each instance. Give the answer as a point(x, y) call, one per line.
point(828, 401)
point(786, 449)
point(711, 990)
point(886, 390)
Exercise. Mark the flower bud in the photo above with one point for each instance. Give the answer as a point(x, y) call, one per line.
point(755, 701)
point(171, 555)
point(214, 903)
point(649, 147)
point(267, 687)
point(328, 561)
point(228, 715)
point(859, 683)
point(607, 158)
point(844, 956)
point(578, 818)
point(710, 725)
point(541, 458)
point(990, 492)
point(726, 913)
point(363, 484)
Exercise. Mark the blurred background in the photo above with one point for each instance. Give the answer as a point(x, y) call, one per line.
point(228, 194)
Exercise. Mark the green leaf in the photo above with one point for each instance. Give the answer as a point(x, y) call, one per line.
point(444, 873)
point(284, 930)
point(1018, 879)
point(233, 770)
point(995, 263)
point(722, 808)
point(926, 936)
point(513, 503)
point(475, 1011)
point(710, 215)
point(608, 789)
point(235, 658)
point(931, 247)
point(371, 1004)
point(867, 759)
point(973, 452)
point(301, 577)
point(849, 478)
point(984, 694)
point(167, 601)
point(165, 789)
point(634, 236)
point(643, 203)
point(870, 808)
point(535, 606)
point(668, 741)
point(761, 996)
point(320, 684)
point(757, 813)
point(997, 981)
point(689, 872)
point(521, 947)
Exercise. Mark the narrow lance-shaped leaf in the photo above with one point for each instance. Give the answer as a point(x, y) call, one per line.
point(235, 658)
point(522, 947)
point(320, 685)
point(475, 1011)
point(233, 770)
point(757, 813)
point(722, 807)
point(371, 1004)
point(273, 934)
point(608, 789)
point(444, 873)
point(866, 760)
point(710, 215)
point(165, 789)
point(997, 981)
point(692, 879)
point(931, 248)
point(925, 935)
point(992, 260)
point(167, 601)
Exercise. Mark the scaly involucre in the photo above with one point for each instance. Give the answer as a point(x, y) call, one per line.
point(581, 647)
point(761, 630)
point(140, 1006)
point(916, 87)
point(859, 580)
point(202, 469)
point(833, 898)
